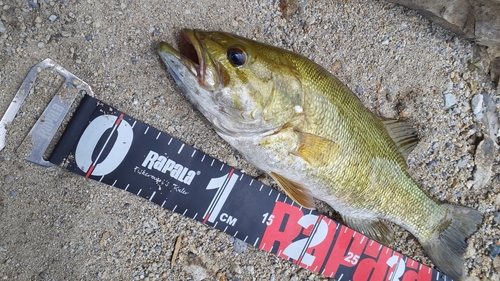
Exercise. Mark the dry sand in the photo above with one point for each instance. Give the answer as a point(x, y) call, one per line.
point(58, 226)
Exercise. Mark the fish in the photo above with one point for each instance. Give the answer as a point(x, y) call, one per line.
point(294, 120)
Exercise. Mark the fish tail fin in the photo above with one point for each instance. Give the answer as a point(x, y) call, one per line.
point(447, 245)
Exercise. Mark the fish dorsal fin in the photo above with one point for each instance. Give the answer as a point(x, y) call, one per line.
point(402, 133)
point(296, 191)
point(372, 227)
point(316, 150)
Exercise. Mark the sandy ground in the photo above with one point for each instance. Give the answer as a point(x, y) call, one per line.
point(57, 226)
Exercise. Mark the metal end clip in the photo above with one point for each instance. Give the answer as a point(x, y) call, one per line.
point(47, 125)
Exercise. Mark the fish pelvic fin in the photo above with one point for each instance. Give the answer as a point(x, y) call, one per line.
point(297, 192)
point(315, 150)
point(374, 228)
point(447, 245)
point(402, 133)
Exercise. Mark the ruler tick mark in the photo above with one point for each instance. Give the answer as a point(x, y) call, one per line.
point(362, 238)
point(221, 167)
point(194, 151)
point(211, 164)
point(277, 197)
point(202, 158)
point(164, 201)
point(175, 207)
point(216, 224)
point(225, 229)
point(170, 141)
point(256, 240)
point(245, 240)
point(139, 191)
point(158, 135)
point(146, 131)
point(101, 178)
point(184, 212)
point(133, 124)
point(195, 216)
point(126, 187)
point(270, 191)
point(152, 195)
point(340, 277)
point(114, 183)
point(180, 149)
point(234, 235)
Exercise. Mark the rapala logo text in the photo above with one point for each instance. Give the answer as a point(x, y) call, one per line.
point(163, 164)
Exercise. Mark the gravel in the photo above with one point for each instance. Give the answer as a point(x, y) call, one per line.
point(62, 227)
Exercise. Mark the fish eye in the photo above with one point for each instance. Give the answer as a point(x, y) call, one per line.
point(236, 56)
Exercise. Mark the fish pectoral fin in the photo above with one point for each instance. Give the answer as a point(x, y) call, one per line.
point(372, 227)
point(316, 150)
point(297, 192)
point(402, 133)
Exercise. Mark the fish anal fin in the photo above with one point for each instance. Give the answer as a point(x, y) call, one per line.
point(297, 192)
point(402, 133)
point(372, 227)
point(316, 150)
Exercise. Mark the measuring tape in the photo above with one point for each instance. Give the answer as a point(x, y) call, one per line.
point(104, 144)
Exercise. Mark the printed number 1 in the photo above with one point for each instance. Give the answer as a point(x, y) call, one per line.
point(268, 219)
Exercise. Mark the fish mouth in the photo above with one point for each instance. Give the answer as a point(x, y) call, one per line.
point(189, 55)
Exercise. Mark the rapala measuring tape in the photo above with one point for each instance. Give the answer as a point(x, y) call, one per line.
point(104, 144)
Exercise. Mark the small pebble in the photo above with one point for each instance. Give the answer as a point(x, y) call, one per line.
point(239, 246)
point(88, 37)
point(13, 193)
point(34, 4)
point(477, 105)
point(2, 27)
point(9, 179)
point(462, 162)
point(359, 90)
point(494, 250)
point(40, 45)
point(496, 218)
point(52, 17)
point(449, 100)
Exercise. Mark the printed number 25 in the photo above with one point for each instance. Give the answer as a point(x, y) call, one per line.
point(351, 258)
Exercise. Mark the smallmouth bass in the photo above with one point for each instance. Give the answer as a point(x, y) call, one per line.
point(297, 122)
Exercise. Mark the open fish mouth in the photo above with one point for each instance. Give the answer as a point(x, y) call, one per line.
point(189, 56)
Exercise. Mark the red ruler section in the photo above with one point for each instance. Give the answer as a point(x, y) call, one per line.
point(109, 146)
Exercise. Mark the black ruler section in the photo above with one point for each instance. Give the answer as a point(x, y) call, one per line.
point(109, 146)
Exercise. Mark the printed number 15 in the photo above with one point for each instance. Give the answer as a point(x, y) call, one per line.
point(267, 219)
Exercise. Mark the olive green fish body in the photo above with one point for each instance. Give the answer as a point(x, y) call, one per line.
point(294, 120)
